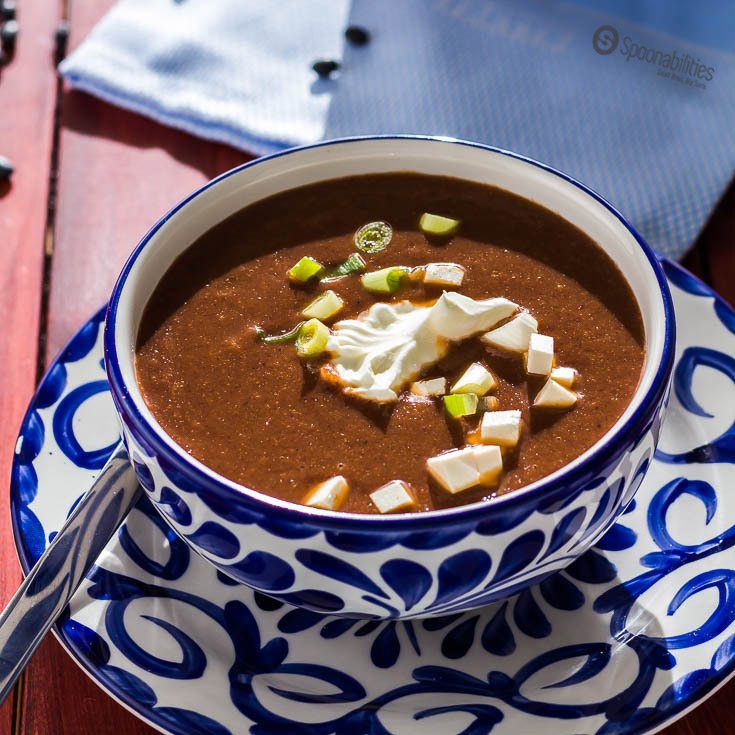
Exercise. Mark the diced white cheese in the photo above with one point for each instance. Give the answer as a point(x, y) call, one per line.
point(455, 470)
point(461, 469)
point(476, 379)
point(433, 387)
point(540, 358)
point(393, 497)
point(443, 274)
point(328, 495)
point(564, 376)
point(554, 395)
point(489, 461)
point(501, 427)
point(514, 335)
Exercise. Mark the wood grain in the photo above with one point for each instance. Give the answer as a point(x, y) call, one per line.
point(118, 173)
point(27, 100)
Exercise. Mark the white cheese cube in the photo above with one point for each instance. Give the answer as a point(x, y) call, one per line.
point(540, 357)
point(501, 427)
point(476, 379)
point(564, 376)
point(455, 470)
point(433, 387)
point(489, 461)
point(443, 274)
point(393, 497)
point(554, 395)
point(328, 495)
point(461, 469)
point(514, 335)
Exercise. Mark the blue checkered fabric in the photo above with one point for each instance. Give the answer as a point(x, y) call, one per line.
point(654, 136)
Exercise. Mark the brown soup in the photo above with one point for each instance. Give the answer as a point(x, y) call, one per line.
point(262, 417)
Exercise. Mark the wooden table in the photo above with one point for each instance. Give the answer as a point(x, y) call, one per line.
point(90, 180)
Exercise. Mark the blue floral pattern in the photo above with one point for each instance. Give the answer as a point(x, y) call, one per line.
point(619, 642)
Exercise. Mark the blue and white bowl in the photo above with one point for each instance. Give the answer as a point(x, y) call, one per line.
point(405, 565)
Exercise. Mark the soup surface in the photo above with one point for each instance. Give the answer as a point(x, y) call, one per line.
point(264, 418)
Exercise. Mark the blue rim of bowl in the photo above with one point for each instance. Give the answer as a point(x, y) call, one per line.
point(209, 482)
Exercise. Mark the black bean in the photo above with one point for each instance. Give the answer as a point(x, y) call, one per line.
point(6, 168)
point(8, 35)
point(7, 9)
point(357, 35)
point(61, 39)
point(325, 67)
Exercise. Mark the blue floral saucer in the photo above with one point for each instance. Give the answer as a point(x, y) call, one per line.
point(625, 640)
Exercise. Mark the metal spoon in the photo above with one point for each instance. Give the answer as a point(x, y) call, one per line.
point(54, 579)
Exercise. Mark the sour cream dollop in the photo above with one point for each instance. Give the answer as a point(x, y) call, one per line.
point(377, 355)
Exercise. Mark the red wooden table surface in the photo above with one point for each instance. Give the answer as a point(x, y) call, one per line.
point(90, 180)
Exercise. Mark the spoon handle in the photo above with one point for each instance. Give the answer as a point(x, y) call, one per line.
point(54, 578)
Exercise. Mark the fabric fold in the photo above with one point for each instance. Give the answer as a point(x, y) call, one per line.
point(645, 117)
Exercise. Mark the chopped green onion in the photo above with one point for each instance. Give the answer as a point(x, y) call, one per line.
point(312, 339)
point(324, 306)
point(305, 269)
point(354, 264)
point(278, 339)
point(386, 280)
point(373, 237)
point(460, 404)
point(435, 224)
point(476, 379)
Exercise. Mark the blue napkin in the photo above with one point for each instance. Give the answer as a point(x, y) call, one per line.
point(633, 99)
